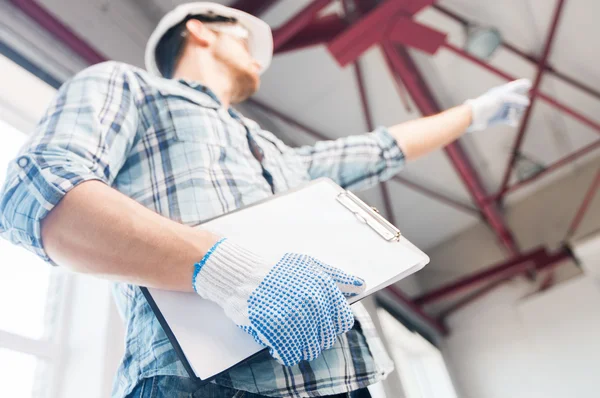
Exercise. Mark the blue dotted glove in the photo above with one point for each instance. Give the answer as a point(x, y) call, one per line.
point(296, 307)
point(500, 105)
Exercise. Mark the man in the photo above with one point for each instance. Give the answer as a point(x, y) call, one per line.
point(124, 163)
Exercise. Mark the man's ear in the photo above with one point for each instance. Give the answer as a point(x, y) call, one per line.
point(198, 32)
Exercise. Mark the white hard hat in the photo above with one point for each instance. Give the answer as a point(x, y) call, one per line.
point(260, 40)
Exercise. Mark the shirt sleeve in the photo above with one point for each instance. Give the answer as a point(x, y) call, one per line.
point(355, 162)
point(85, 134)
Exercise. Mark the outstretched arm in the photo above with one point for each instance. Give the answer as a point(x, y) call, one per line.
point(501, 105)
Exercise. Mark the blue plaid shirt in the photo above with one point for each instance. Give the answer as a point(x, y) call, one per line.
point(171, 146)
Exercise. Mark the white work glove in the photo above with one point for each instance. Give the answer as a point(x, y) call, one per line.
point(296, 307)
point(500, 105)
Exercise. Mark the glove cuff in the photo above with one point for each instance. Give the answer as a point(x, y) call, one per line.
point(475, 123)
point(228, 274)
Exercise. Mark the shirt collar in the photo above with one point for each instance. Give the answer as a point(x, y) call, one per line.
point(205, 90)
point(201, 88)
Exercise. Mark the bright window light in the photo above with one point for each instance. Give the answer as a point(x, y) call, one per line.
point(18, 373)
point(23, 278)
point(419, 364)
point(29, 289)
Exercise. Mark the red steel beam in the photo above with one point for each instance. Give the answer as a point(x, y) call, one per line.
point(379, 23)
point(362, 7)
point(403, 299)
point(503, 270)
point(64, 34)
point(548, 262)
point(364, 102)
point(329, 28)
point(509, 47)
point(554, 259)
point(320, 136)
point(254, 7)
point(407, 70)
point(550, 100)
point(554, 166)
point(534, 93)
point(320, 31)
point(585, 204)
point(399, 84)
point(365, 32)
point(298, 22)
point(405, 31)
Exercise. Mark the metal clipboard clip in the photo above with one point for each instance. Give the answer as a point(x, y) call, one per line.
point(370, 216)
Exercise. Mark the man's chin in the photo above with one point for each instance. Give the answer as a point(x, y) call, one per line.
point(255, 78)
point(256, 86)
point(249, 85)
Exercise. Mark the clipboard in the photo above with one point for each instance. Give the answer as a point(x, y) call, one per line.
point(319, 219)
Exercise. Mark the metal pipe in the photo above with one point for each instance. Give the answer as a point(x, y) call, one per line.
point(503, 270)
point(317, 135)
point(550, 100)
point(407, 70)
point(299, 21)
point(556, 165)
point(534, 93)
point(403, 299)
point(585, 204)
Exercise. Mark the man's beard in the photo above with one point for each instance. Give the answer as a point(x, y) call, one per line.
point(246, 84)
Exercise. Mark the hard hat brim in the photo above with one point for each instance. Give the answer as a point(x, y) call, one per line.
point(260, 41)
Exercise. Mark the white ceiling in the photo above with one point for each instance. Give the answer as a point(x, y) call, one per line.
point(309, 86)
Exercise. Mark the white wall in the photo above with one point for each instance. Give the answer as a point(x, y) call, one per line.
point(514, 344)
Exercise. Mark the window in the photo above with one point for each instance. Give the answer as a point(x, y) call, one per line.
point(419, 364)
point(30, 291)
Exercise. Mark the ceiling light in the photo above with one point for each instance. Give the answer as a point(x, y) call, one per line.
point(482, 42)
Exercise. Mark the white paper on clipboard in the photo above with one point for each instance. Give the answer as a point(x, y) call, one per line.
point(317, 219)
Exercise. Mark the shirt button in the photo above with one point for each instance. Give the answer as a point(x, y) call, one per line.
point(23, 161)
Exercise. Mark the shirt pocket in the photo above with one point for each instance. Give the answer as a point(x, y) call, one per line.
point(209, 127)
point(186, 116)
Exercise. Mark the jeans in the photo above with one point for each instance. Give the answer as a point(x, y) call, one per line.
point(183, 387)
